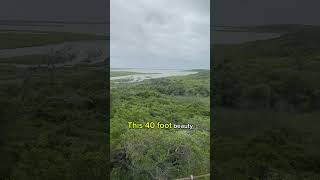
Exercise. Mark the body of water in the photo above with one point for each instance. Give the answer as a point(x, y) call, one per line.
point(149, 74)
point(79, 48)
point(226, 37)
point(98, 29)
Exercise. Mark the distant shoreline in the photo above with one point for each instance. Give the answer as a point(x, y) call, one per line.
point(170, 69)
point(50, 22)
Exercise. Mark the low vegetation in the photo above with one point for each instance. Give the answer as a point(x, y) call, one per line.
point(161, 153)
point(20, 39)
point(266, 106)
point(122, 73)
point(53, 123)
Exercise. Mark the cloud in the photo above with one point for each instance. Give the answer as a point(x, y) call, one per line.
point(261, 12)
point(160, 34)
point(61, 10)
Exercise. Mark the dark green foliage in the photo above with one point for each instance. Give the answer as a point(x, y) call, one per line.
point(19, 39)
point(161, 153)
point(267, 108)
point(269, 73)
point(53, 130)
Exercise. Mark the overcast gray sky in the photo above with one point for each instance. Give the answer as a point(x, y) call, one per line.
point(160, 34)
point(54, 10)
point(262, 12)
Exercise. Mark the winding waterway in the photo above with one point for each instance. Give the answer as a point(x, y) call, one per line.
point(144, 74)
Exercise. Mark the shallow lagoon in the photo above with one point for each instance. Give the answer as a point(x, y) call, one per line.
point(145, 74)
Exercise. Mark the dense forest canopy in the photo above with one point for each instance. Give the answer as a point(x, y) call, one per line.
point(276, 73)
point(266, 106)
point(161, 153)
